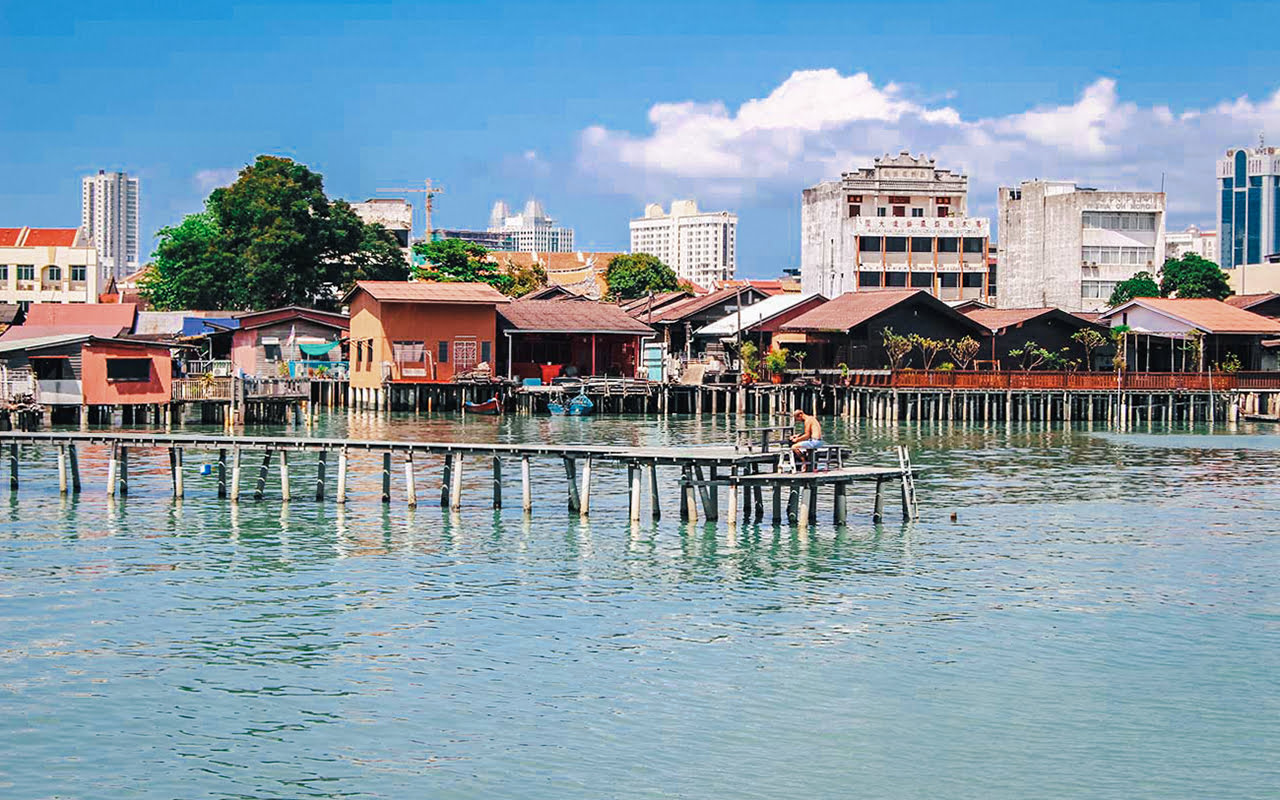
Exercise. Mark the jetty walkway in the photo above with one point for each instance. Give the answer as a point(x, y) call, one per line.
point(704, 470)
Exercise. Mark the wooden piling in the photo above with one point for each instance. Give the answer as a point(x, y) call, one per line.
point(571, 473)
point(497, 482)
point(261, 488)
point(124, 471)
point(285, 494)
point(410, 488)
point(526, 489)
point(585, 490)
point(62, 469)
point(235, 474)
point(322, 461)
point(222, 473)
point(73, 461)
point(13, 466)
point(455, 491)
point(653, 492)
point(342, 476)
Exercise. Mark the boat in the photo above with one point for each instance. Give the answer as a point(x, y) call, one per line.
point(580, 406)
point(490, 406)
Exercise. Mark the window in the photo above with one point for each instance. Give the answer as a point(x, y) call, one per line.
point(917, 212)
point(855, 211)
point(975, 244)
point(26, 272)
point(899, 211)
point(868, 279)
point(895, 279)
point(880, 212)
point(948, 244)
point(870, 244)
point(943, 211)
point(922, 280)
point(409, 352)
point(53, 274)
point(895, 244)
point(4, 272)
point(52, 369)
point(899, 200)
point(921, 244)
point(971, 280)
point(949, 280)
point(135, 370)
point(486, 351)
point(442, 353)
point(1119, 221)
point(78, 273)
point(1253, 248)
point(1096, 290)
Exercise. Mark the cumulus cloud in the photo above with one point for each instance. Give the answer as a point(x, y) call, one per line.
point(206, 180)
point(819, 123)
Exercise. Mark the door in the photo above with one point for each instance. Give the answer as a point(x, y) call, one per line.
point(465, 356)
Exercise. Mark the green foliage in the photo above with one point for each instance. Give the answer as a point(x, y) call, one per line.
point(1140, 285)
point(526, 279)
point(1230, 364)
point(946, 366)
point(457, 260)
point(844, 369)
point(929, 348)
point(750, 356)
point(637, 274)
point(895, 346)
point(270, 239)
point(1193, 348)
point(1120, 337)
point(1090, 339)
point(799, 356)
point(776, 360)
point(1032, 355)
point(1193, 276)
point(963, 350)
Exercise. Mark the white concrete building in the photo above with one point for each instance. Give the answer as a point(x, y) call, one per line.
point(1192, 240)
point(1249, 217)
point(109, 215)
point(532, 230)
point(393, 213)
point(901, 222)
point(49, 265)
point(700, 246)
point(1068, 246)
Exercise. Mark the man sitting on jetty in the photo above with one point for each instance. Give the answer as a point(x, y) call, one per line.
point(809, 439)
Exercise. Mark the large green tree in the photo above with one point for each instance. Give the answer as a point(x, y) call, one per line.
point(1193, 276)
point(637, 274)
point(270, 239)
point(453, 260)
point(1140, 285)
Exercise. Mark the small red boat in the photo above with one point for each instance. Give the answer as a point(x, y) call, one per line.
point(490, 406)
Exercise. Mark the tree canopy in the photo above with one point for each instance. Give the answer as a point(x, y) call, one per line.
point(457, 260)
point(270, 239)
point(1140, 285)
point(1193, 276)
point(637, 274)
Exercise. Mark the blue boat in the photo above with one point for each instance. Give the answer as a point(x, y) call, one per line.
point(580, 406)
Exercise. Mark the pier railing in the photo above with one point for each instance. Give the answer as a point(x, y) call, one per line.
point(1066, 381)
point(213, 389)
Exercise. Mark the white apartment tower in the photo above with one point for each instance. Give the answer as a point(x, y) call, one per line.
point(1068, 246)
point(1192, 240)
point(900, 223)
point(109, 215)
point(530, 231)
point(700, 246)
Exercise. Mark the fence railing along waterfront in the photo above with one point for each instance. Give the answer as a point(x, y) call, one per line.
point(1066, 381)
point(213, 389)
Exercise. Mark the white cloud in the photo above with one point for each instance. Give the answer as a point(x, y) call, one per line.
point(818, 123)
point(206, 180)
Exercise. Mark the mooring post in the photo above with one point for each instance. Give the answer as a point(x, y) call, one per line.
point(322, 461)
point(585, 489)
point(410, 488)
point(455, 494)
point(634, 473)
point(877, 511)
point(708, 508)
point(526, 490)
point(497, 482)
point(806, 506)
point(688, 495)
point(841, 503)
point(733, 498)
point(446, 482)
point(179, 486)
point(222, 473)
point(342, 476)
point(793, 503)
point(62, 469)
point(571, 473)
point(74, 461)
point(653, 491)
point(777, 504)
point(113, 470)
point(13, 466)
point(262, 476)
point(124, 471)
point(285, 495)
point(235, 474)
point(386, 477)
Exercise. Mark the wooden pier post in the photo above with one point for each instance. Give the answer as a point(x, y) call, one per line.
point(410, 488)
point(585, 489)
point(62, 469)
point(497, 482)
point(877, 511)
point(235, 474)
point(446, 483)
point(777, 504)
point(342, 476)
point(653, 491)
point(285, 494)
point(13, 466)
point(841, 502)
point(124, 471)
point(633, 491)
point(386, 477)
point(689, 496)
point(455, 492)
point(732, 505)
point(73, 460)
point(571, 473)
point(222, 473)
point(526, 489)
point(179, 484)
point(322, 461)
point(262, 476)
point(806, 501)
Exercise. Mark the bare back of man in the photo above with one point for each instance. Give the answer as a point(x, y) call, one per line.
point(808, 439)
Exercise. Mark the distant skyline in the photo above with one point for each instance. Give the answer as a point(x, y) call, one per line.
point(597, 110)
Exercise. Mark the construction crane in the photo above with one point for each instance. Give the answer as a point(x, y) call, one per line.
point(428, 193)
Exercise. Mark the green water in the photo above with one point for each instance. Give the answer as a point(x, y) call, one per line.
point(1100, 620)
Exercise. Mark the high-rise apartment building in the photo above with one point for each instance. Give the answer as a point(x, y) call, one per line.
point(1068, 246)
point(109, 215)
point(532, 230)
point(393, 213)
point(1192, 240)
point(1249, 217)
point(700, 246)
point(899, 223)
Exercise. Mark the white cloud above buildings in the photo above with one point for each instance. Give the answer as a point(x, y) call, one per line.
point(206, 180)
point(818, 123)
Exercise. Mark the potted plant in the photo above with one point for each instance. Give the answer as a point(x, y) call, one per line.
point(776, 362)
point(844, 373)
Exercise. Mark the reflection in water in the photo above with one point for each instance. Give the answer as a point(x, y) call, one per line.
point(1099, 598)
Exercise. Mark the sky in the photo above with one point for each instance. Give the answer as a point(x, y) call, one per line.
point(599, 108)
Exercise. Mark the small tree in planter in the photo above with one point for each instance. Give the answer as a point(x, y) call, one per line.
point(776, 362)
point(1193, 349)
point(963, 350)
point(1089, 339)
point(844, 373)
point(1120, 337)
point(749, 354)
point(929, 349)
point(1030, 355)
point(896, 347)
point(800, 356)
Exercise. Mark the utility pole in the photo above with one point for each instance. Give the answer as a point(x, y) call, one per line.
point(428, 201)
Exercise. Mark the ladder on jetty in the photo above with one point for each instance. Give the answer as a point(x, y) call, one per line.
point(703, 470)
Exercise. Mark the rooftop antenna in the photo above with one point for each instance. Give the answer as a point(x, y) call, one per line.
point(427, 202)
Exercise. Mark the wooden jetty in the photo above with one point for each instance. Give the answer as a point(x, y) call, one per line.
point(703, 471)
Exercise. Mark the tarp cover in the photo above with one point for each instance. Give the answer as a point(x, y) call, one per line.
point(317, 349)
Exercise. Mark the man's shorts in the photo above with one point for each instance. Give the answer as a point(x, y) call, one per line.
point(811, 444)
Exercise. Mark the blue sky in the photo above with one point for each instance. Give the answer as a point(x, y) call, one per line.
point(597, 108)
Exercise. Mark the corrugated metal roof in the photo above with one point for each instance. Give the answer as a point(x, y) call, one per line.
point(853, 308)
point(569, 316)
point(1247, 301)
point(1209, 315)
point(755, 314)
point(430, 292)
point(693, 305)
point(39, 342)
point(118, 314)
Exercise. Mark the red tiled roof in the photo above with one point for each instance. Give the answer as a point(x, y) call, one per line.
point(9, 236)
point(1210, 316)
point(854, 308)
point(570, 316)
point(1249, 300)
point(50, 237)
point(1088, 316)
point(105, 315)
point(430, 292)
point(684, 308)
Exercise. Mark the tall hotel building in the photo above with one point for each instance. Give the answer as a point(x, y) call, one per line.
point(701, 246)
point(109, 215)
point(1249, 217)
point(901, 222)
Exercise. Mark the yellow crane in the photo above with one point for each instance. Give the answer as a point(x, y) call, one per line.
point(428, 195)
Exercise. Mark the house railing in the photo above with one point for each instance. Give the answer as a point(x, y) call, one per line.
point(319, 369)
point(218, 367)
point(1065, 381)
point(214, 389)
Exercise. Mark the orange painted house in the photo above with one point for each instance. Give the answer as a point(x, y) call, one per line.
point(87, 370)
point(419, 331)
